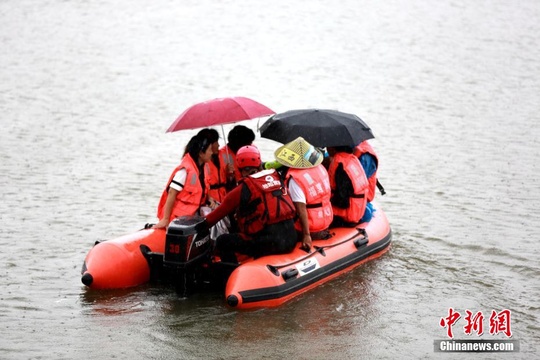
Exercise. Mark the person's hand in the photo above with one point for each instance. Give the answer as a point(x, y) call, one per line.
point(306, 242)
point(161, 224)
point(212, 204)
point(230, 170)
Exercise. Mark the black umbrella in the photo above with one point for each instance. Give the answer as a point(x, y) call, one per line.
point(319, 127)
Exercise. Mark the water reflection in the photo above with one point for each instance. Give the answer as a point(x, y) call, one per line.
point(314, 323)
point(116, 302)
point(310, 323)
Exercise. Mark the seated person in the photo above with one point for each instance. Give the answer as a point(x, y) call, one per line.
point(185, 192)
point(309, 187)
point(349, 187)
point(264, 212)
point(216, 180)
point(370, 162)
point(238, 137)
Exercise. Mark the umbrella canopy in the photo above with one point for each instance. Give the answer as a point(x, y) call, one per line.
point(319, 127)
point(218, 112)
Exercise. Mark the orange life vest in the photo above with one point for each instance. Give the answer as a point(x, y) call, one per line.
point(357, 202)
point(192, 195)
point(216, 182)
point(365, 148)
point(263, 202)
point(315, 184)
point(226, 156)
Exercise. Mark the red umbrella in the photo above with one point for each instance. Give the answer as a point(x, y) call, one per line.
point(218, 112)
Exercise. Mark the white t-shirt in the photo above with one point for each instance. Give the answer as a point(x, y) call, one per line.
point(296, 193)
point(179, 180)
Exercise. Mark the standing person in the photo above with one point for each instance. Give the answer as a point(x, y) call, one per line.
point(309, 187)
point(264, 212)
point(185, 192)
point(349, 186)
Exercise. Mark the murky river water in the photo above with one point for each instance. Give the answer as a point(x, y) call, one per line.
point(450, 88)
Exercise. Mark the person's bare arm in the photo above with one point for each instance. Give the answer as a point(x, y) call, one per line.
point(303, 218)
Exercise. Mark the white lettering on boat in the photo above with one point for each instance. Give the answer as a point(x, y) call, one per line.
point(308, 266)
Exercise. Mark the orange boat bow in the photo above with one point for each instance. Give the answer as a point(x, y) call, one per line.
point(119, 263)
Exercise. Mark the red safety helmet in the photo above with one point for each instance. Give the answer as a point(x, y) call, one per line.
point(248, 156)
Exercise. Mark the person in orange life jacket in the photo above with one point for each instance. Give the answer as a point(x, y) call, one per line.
point(239, 136)
point(370, 162)
point(217, 179)
point(309, 187)
point(186, 189)
point(349, 187)
point(264, 212)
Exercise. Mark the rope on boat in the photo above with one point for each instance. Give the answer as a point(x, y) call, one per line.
point(318, 249)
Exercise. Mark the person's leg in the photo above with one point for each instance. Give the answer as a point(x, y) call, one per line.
point(277, 238)
point(368, 214)
point(339, 222)
point(228, 244)
point(225, 245)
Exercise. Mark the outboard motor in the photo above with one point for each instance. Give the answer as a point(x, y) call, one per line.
point(187, 253)
point(187, 242)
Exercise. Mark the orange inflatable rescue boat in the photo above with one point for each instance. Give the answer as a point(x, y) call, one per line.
point(183, 255)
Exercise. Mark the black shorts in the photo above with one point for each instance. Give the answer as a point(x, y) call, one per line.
point(277, 238)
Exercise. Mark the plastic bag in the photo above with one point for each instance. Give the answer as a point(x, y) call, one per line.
point(222, 227)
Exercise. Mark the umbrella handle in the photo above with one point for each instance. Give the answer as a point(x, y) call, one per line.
point(224, 139)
